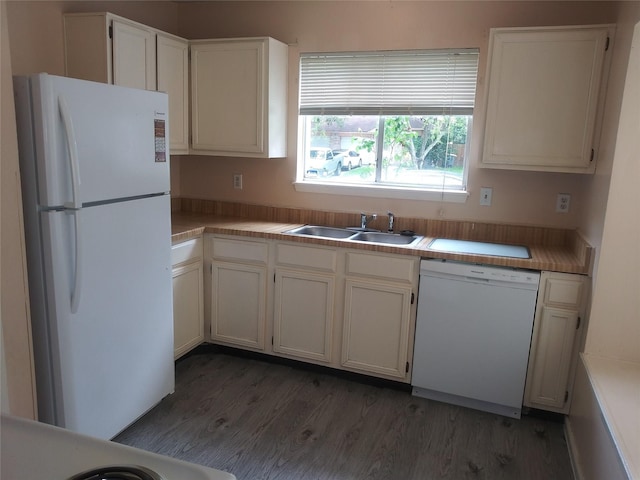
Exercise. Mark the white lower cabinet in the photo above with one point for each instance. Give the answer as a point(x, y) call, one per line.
point(188, 291)
point(379, 314)
point(555, 343)
point(376, 328)
point(348, 310)
point(304, 302)
point(324, 305)
point(238, 292)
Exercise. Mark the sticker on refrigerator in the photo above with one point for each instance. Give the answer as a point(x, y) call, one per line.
point(161, 142)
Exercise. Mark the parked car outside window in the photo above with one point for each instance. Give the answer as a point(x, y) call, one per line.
point(321, 162)
point(350, 158)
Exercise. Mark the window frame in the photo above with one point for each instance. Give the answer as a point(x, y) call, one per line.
point(381, 189)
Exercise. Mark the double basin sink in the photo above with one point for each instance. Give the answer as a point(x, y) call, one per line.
point(357, 234)
point(410, 239)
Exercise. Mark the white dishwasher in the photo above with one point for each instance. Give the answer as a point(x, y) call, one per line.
point(473, 334)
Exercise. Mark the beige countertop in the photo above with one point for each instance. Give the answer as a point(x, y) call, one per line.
point(573, 256)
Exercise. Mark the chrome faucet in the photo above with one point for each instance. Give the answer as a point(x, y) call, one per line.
point(391, 220)
point(364, 219)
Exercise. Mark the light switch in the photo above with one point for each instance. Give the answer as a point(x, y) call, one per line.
point(485, 196)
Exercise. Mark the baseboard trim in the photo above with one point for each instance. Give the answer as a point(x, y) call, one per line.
point(573, 453)
point(210, 348)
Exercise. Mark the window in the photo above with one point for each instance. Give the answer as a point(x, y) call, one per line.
point(399, 119)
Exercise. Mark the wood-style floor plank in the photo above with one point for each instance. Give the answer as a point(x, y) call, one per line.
point(263, 421)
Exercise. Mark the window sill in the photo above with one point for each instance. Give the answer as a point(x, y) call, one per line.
point(403, 193)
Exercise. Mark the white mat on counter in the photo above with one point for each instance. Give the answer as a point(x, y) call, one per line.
point(479, 248)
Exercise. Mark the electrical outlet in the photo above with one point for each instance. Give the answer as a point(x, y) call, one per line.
point(237, 181)
point(562, 203)
point(485, 196)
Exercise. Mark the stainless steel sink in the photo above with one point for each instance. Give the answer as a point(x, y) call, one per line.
point(319, 231)
point(388, 238)
point(350, 234)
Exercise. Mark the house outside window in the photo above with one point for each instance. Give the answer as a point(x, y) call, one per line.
point(397, 119)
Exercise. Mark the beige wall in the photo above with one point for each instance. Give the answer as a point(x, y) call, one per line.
point(525, 198)
point(614, 323)
point(592, 215)
point(35, 28)
point(325, 26)
point(15, 348)
point(614, 329)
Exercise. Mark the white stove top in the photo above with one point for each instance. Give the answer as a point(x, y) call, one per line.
point(34, 451)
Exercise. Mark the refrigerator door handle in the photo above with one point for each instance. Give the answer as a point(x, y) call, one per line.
point(76, 288)
point(73, 153)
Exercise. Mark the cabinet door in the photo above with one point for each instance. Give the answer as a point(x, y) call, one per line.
point(238, 304)
point(551, 356)
point(376, 327)
point(134, 56)
point(543, 94)
point(304, 306)
point(227, 93)
point(173, 78)
point(188, 307)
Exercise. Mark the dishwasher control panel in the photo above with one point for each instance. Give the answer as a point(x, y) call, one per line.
point(479, 272)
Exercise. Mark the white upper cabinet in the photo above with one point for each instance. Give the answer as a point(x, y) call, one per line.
point(173, 78)
point(134, 56)
point(238, 97)
point(238, 86)
point(103, 47)
point(545, 88)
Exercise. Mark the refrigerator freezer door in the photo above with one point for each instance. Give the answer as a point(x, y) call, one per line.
point(111, 360)
point(119, 136)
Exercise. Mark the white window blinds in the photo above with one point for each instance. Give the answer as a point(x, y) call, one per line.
point(419, 82)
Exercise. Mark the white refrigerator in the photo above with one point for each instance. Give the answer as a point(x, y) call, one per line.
point(94, 166)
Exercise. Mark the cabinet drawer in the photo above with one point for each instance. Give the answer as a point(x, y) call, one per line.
point(563, 293)
point(317, 258)
point(244, 251)
point(184, 251)
point(395, 268)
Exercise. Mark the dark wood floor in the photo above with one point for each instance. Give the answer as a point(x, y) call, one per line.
point(260, 420)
